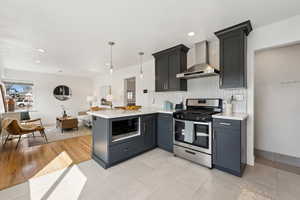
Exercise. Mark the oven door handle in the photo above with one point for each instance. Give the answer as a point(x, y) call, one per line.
point(202, 134)
point(200, 123)
point(190, 152)
point(179, 120)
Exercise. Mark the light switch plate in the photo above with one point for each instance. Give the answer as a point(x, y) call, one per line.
point(238, 97)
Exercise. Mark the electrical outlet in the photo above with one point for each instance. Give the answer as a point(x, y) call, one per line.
point(238, 97)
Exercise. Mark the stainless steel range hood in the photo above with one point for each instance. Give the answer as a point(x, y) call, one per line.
point(201, 68)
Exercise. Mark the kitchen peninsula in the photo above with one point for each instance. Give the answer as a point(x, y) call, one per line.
point(121, 134)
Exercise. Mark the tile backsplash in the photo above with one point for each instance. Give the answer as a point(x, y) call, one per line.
point(201, 88)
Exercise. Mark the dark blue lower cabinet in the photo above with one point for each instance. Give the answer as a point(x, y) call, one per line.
point(154, 129)
point(133, 146)
point(123, 151)
point(148, 130)
point(165, 131)
point(229, 150)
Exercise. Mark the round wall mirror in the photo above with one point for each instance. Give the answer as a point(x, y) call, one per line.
point(62, 93)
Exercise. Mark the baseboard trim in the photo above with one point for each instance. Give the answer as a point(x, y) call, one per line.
point(280, 158)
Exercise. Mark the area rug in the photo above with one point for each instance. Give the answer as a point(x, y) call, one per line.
point(54, 134)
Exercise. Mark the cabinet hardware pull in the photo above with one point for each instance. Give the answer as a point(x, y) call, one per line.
point(226, 124)
point(221, 81)
point(190, 152)
point(215, 146)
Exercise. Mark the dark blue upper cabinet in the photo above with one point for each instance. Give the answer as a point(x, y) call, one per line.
point(233, 55)
point(168, 63)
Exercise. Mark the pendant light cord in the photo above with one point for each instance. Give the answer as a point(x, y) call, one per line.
point(111, 62)
point(141, 62)
point(111, 56)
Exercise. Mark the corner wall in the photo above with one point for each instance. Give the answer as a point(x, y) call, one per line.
point(276, 34)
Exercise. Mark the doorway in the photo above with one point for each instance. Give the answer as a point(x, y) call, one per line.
point(129, 92)
point(277, 104)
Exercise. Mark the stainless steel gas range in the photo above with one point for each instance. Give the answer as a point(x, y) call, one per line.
point(193, 130)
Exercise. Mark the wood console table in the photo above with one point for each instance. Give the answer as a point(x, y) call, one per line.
point(66, 123)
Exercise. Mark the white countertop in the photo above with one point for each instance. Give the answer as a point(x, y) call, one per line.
point(116, 113)
point(233, 116)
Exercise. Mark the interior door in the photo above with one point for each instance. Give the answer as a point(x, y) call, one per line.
point(130, 91)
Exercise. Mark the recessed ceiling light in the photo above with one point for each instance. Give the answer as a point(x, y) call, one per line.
point(37, 61)
point(41, 50)
point(191, 34)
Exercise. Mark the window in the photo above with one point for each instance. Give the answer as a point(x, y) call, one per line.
point(21, 93)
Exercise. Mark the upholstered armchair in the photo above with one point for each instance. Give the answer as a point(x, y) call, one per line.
point(15, 128)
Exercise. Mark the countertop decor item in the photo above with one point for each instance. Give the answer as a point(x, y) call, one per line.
point(229, 106)
point(168, 105)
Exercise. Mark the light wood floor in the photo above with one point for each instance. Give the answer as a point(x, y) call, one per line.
point(19, 165)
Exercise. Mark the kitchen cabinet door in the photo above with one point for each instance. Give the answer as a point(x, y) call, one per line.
point(149, 131)
point(165, 132)
point(230, 145)
point(227, 149)
point(232, 63)
point(161, 73)
point(168, 63)
point(176, 60)
point(233, 55)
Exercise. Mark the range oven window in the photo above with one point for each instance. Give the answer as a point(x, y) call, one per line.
point(201, 135)
point(126, 128)
point(179, 131)
point(193, 133)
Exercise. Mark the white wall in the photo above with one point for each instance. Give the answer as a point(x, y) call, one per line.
point(276, 34)
point(46, 105)
point(277, 97)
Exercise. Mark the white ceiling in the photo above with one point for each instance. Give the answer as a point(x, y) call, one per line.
point(74, 33)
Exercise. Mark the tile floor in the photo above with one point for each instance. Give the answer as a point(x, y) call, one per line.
point(278, 165)
point(158, 175)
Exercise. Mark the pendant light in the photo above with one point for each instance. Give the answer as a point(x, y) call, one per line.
point(141, 64)
point(111, 67)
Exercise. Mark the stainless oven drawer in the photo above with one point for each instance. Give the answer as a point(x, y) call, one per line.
point(194, 156)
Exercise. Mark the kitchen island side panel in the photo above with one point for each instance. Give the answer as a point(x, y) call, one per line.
point(101, 138)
